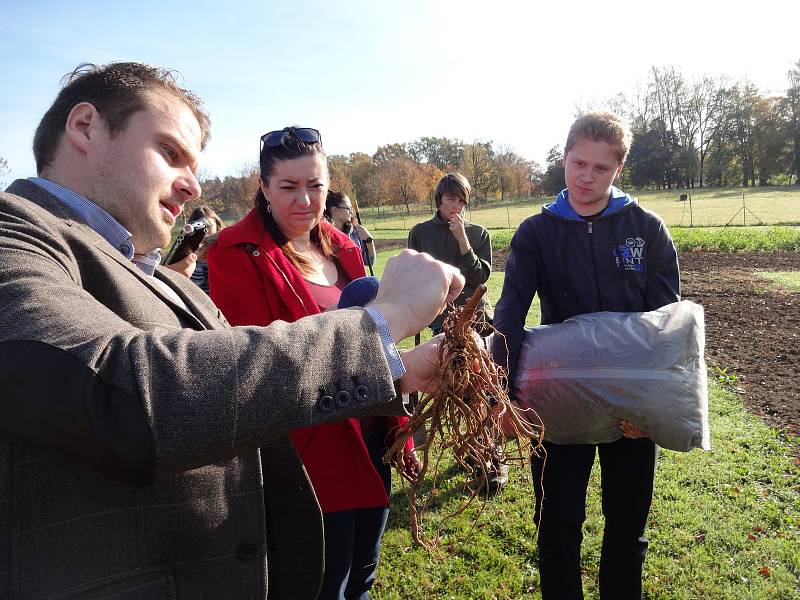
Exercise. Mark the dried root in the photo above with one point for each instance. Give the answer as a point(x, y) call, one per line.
point(469, 414)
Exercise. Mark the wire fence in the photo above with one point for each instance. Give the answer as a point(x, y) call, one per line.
point(710, 208)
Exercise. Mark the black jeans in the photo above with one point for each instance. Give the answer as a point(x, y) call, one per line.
point(353, 537)
point(627, 468)
point(352, 550)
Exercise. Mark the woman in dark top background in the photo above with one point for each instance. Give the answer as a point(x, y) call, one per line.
point(339, 211)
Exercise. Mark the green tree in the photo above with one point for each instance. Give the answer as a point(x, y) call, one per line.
point(444, 153)
point(553, 181)
point(385, 154)
point(772, 141)
point(645, 163)
point(744, 100)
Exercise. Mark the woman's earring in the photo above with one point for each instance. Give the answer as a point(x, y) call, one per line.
point(269, 207)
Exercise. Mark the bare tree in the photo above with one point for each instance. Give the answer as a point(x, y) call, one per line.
point(668, 89)
point(793, 105)
point(705, 103)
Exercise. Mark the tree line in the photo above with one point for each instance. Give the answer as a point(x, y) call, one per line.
point(705, 132)
point(688, 133)
point(402, 174)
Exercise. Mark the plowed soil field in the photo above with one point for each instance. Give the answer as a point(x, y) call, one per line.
point(752, 328)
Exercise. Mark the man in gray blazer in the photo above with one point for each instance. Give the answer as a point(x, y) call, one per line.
point(143, 446)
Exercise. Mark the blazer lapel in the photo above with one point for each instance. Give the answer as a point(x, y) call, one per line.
point(101, 244)
point(207, 318)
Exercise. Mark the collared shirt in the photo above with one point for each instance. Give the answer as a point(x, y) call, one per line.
point(103, 223)
point(121, 239)
point(111, 230)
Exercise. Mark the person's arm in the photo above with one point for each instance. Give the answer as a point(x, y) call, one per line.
point(413, 240)
point(185, 266)
point(662, 287)
point(519, 287)
point(367, 243)
point(663, 284)
point(141, 400)
point(476, 264)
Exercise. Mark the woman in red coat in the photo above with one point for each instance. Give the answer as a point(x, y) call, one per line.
point(284, 262)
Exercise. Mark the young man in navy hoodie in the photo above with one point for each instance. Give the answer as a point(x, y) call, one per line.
point(593, 249)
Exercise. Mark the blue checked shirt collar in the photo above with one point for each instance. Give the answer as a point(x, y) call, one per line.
point(103, 223)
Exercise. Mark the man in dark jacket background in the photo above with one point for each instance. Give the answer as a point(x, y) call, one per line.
point(593, 249)
point(450, 238)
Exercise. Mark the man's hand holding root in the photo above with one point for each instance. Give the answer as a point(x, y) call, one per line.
point(420, 363)
point(414, 289)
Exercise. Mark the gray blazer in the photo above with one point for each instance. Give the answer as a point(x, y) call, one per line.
point(143, 448)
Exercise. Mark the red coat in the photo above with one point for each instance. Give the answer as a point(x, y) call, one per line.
point(253, 283)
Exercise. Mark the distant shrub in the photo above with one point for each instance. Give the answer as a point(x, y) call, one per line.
point(737, 239)
point(710, 239)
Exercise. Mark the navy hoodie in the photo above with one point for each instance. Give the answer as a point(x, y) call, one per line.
point(622, 261)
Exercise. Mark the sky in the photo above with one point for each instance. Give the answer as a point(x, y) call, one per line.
point(369, 72)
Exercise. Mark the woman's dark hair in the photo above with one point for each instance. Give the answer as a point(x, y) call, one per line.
point(291, 147)
point(205, 212)
point(334, 200)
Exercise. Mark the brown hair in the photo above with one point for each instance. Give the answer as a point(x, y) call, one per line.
point(291, 147)
point(601, 127)
point(116, 90)
point(455, 184)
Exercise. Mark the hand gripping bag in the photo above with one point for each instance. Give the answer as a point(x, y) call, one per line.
point(586, 374)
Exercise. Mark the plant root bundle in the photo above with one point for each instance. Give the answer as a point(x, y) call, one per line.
point(469, 414)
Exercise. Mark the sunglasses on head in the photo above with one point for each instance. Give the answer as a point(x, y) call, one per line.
point(273, 139)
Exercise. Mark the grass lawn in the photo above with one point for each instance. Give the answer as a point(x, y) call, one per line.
point(787, 280)
point(712, 207)
point(724, 524)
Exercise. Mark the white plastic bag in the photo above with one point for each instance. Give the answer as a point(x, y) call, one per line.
point(586, 374)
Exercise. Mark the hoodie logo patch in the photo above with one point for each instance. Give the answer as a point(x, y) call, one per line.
point(630, 256)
